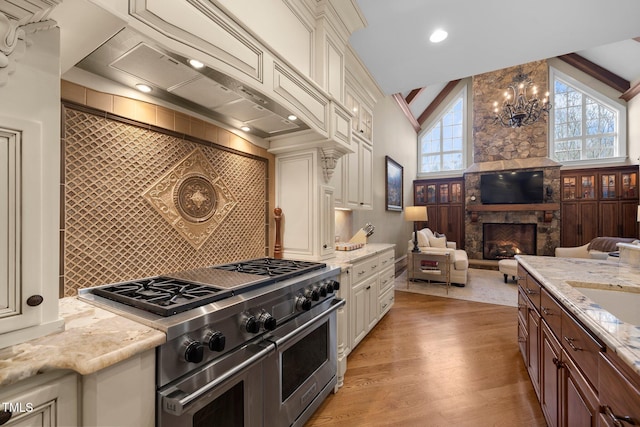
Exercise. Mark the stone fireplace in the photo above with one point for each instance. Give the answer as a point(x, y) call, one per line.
point(504, 241)
point(496, 148)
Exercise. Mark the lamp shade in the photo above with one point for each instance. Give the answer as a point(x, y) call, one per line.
point(415, 213)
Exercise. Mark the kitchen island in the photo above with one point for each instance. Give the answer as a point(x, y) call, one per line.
point(555, 274)
point(579, 336)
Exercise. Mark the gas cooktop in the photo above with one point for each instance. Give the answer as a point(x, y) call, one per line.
point(178, 292)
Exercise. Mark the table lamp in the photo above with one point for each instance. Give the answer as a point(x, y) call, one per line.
point(415, 214)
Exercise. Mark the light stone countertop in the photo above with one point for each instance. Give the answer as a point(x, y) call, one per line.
point(345, 259)
point(555, 273)
point(93, 339)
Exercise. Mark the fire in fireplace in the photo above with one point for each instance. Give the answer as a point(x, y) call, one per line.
point(503, 241)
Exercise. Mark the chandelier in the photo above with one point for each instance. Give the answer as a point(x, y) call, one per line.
point(517, 108)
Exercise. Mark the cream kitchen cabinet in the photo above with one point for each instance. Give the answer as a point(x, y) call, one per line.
point(364, 313)
point(359, 189)
point(371, 294)
point(353, 176)
point(362, 121)
point(49, 399)
point(30, 190)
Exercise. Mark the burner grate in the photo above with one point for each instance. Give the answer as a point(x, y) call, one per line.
point(161, 295)
point(277, 268)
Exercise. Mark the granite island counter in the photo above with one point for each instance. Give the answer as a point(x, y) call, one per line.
point(555, 274)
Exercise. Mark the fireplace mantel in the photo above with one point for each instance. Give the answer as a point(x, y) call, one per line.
point(548, 209)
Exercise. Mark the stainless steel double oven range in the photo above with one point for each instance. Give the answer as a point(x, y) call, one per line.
point(251, 343)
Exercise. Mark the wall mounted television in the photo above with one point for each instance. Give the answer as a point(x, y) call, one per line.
point(515, 187)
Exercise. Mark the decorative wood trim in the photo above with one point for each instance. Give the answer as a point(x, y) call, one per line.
point(413, 95)
point(548, 209)
point(407, 112)
point(628, 95)
point(437, 101)
point(596, 71)
point(515, 207)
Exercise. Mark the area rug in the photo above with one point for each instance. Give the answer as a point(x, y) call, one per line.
point(482, 286)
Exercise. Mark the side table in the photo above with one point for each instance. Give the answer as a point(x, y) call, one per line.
point(435, 266)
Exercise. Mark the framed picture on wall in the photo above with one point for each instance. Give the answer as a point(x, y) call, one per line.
point(395, 184)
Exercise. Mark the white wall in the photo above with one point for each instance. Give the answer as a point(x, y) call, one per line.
point(393, 136)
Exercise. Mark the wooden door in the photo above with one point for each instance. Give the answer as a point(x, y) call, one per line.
point(628, 219)
point(609, 212)
point(579, 223)
point(550, 356)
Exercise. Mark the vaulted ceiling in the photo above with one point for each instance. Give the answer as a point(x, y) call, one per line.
point(600, 38)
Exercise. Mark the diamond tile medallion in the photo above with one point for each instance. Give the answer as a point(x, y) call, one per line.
point(192, 198)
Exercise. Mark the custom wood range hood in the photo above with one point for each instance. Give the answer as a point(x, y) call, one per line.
point(242, 82)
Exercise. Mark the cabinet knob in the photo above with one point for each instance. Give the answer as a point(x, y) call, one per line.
point(34, 300)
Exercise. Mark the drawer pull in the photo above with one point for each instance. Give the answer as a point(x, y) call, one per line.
point(373, 267)
point(558, 363)
point(522, 306)
point(361, 272)
point(546, 311)
point(531, 291)
point(571, 344)
point(615, 419)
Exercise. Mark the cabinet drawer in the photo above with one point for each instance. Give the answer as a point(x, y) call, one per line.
point(386, 301)
point(581, 347)
point(365, 268)
point(387, 259)
point(551, 312)
point(532, 289)
point(619, 394)
point(387, 278)
point(522, 306)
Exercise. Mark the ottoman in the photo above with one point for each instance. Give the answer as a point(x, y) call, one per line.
point(508, 267)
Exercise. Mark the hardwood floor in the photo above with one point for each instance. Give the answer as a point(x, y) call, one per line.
point(435, 361)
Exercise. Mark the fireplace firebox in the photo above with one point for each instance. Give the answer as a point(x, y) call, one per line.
point(504, 241)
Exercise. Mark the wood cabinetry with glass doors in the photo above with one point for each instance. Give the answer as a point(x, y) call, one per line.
point(444, 199)
point(598, 202)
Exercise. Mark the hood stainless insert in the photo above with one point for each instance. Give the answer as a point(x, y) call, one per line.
point(129, 58)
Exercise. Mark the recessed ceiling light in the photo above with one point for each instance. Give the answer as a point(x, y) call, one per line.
point(195, 63)
point(438, 35)
point(292, 117)
point(245, 128)
point(143, 88)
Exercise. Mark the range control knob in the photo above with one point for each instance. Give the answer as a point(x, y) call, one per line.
point(336, 284)
point(251, 325)
point(330, 288)
point(215, 340)
point(313, 294)
point(267, 321)
point(322, 290)
point(303, 303)
point(193, 352)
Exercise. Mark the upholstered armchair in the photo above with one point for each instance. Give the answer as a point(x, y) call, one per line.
point(438, 244)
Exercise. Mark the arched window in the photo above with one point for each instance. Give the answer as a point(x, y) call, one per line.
point(586, 126)
point(441, 146)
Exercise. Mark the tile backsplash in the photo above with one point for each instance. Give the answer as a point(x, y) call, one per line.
point(110, 231)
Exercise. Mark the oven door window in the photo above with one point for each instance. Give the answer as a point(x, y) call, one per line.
point(303, 358)
point(225, 411)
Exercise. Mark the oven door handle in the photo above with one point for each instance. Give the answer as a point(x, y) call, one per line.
point(177, 401)
point(336, 303)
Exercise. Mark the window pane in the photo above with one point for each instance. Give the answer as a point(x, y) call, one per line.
point(584, 127)
point(441, 147)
